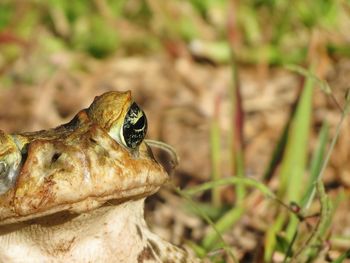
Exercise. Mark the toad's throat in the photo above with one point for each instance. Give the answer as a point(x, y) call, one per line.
point(118, 230)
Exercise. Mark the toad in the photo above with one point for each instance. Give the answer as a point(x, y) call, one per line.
point(76, 193)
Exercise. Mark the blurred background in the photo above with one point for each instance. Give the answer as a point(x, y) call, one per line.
point(252, 95)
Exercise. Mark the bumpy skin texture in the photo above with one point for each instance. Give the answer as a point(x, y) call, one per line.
point(78, 166)
point(77, 193)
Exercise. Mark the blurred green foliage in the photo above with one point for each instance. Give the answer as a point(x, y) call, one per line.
point(270, 31)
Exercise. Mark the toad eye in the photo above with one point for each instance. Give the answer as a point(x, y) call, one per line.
point(134, 127)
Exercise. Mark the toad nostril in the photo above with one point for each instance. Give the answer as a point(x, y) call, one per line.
point(55, 157)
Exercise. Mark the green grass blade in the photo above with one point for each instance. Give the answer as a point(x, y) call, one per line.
point(215, 155)
point(208, 220)
point(318, 233)
point(270, 237)
point(277, 153)
point(223, 224)
point(294, 162)
point(293, 165)
point(312, 248)
point(316, 166)
point(232, 216)
point(323, 85)
point(343, 257)
point(230, 180)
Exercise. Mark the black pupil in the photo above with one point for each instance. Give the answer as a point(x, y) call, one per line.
point(140, 123)
point(134, 127)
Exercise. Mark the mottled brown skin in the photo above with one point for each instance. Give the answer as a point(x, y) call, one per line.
point(77, 192)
